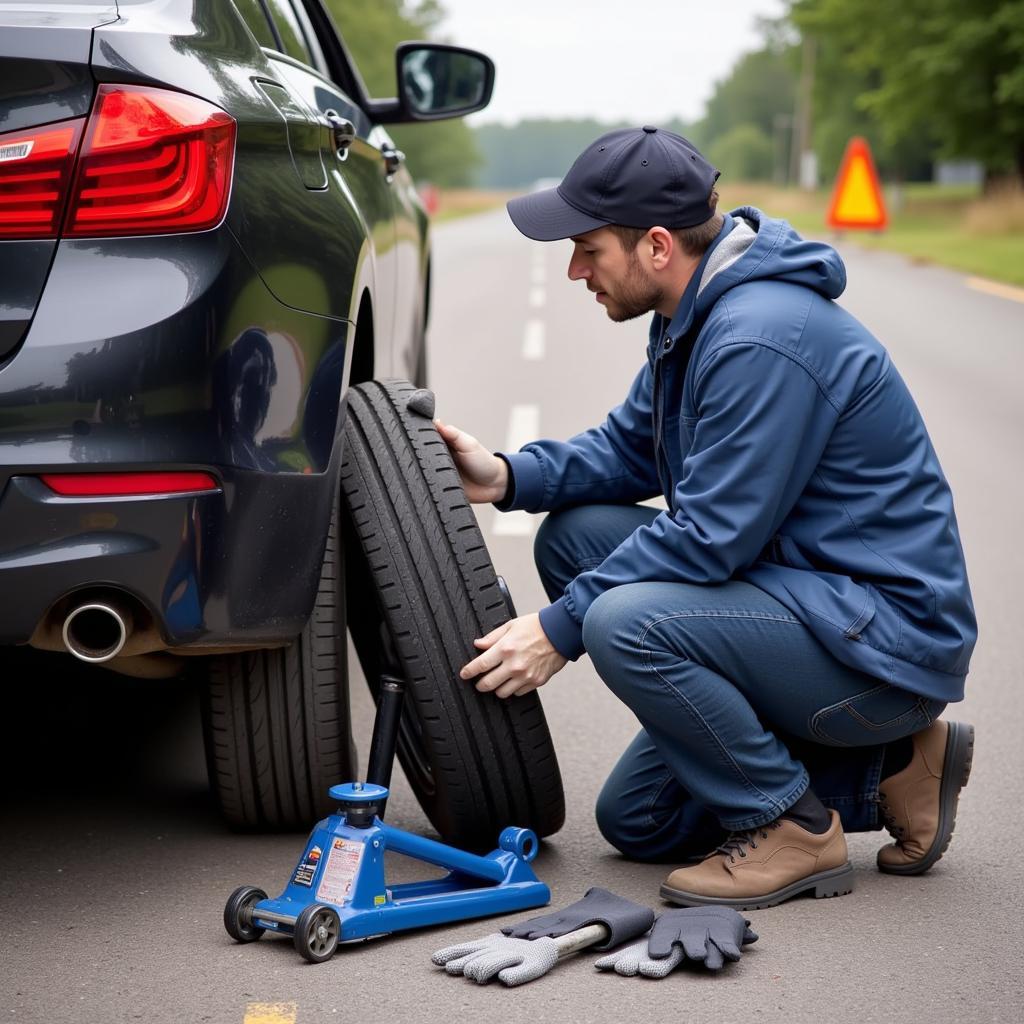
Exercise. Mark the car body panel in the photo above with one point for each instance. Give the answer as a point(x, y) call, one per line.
point(227, 350)
point(202, 365)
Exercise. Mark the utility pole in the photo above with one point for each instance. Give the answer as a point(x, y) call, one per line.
point(782, 144)
point(803, 167)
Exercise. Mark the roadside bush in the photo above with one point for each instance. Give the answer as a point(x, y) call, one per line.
point(743, 153)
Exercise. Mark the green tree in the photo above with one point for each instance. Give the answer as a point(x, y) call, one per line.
point(515, 156)
point(838, 116)
point(752, 108)
point(443, 152)
point(760, 86)
point(948, 70)
point(743, 153)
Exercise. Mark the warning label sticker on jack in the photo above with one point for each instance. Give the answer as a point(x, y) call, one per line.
point(307, 867)
point(340, 871)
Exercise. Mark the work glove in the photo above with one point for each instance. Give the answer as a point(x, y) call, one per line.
point(514, 961)
point(623, 918)
point(634, 959)
point(454, 958)
point(707, 935)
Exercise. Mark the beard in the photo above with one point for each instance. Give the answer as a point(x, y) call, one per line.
point(634, 296)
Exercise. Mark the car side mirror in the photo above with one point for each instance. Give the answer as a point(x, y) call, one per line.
point(436, 81)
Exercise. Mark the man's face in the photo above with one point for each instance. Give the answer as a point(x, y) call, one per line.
point(618, 278)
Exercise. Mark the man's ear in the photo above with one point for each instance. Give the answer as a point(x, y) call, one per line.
point(660, 246)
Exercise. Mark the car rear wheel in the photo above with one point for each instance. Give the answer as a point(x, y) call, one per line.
point(276, 721)
point(421, 586)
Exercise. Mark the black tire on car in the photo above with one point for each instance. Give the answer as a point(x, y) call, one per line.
point(421, 586)
point(276, 721)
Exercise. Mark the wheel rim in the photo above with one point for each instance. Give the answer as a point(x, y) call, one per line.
point(239, 914)
point(245, 913)
point(322, 934)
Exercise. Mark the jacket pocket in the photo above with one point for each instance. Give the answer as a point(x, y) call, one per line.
point(857, 600)
point(877, 715)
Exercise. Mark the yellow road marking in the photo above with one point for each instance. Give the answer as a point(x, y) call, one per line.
point(271, 1013)
point(1004, 291)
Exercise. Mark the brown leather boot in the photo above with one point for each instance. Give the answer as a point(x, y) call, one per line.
point(764, 866)
point(919, 802)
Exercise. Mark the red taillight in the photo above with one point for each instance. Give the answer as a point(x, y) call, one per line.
point(153, 161)
point(112, 485)
point(35, 168)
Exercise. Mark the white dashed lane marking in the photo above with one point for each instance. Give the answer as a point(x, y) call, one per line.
point(523, 427)
point(536, 297)
point(533, 339)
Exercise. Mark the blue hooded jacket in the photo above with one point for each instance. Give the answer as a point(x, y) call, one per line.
point(791, 456)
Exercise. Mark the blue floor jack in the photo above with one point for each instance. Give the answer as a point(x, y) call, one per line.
point(338, 893)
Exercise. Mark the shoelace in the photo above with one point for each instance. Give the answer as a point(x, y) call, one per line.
point(895, 830)
point(738, 840)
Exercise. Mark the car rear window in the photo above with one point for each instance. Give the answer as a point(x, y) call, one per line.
point(255, 17)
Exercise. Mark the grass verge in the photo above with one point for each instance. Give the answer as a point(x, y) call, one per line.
point(463, 202)
point(950, 226)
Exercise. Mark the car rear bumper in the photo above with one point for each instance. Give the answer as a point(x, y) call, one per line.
point(159, 353)
point(232, 567)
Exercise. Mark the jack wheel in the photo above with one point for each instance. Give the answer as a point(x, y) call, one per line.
point(238, 913)
point(317, 931)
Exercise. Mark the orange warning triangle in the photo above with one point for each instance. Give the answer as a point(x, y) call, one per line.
point(857, 197)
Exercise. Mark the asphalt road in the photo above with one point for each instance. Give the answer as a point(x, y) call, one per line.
point(114, 868)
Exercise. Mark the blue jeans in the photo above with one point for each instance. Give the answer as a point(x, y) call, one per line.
point(742, 709)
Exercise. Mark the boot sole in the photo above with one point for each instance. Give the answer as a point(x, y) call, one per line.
point(824, 885)
point(956, 770)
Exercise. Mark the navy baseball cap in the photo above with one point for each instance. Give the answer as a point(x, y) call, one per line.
point(637, 177)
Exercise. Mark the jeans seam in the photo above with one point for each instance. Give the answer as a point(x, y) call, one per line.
point(817, 719)
point(656, 792)
point(699, 614)
point(696, 715)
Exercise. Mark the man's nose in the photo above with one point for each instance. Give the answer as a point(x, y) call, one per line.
point(578, 270)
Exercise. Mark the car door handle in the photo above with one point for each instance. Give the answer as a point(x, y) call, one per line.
point(392, 160)
point(343, 132)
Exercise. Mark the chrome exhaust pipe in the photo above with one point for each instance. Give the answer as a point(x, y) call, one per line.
point(96, 631)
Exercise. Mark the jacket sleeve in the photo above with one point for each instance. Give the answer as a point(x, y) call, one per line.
point(610, 463)
point(763, 423)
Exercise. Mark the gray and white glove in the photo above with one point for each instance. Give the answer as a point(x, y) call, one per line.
point(623, 919)
point(707, 935)
point(634, 959)
point(454, 958)
point(514, 961)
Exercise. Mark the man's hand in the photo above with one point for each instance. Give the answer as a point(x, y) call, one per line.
point(518, 657)
point(484, 476)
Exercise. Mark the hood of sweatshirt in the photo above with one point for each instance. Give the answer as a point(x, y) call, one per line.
point(753, 247)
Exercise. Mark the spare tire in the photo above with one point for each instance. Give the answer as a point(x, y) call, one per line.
point(420, 587)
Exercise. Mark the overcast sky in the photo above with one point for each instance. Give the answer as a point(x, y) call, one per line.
point(635, 60)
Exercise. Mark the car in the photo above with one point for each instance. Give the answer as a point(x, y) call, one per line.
point(214, 460)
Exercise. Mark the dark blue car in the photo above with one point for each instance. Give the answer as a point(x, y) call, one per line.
point(207, 237)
